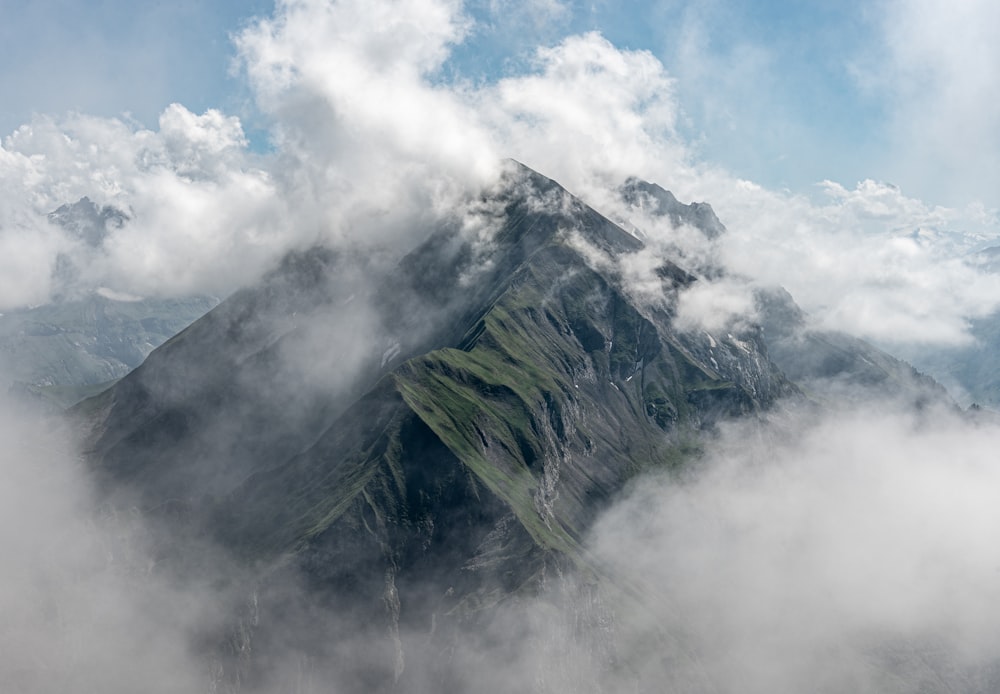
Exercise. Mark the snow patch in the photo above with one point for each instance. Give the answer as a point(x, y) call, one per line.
point(389, 354)
point(117, 296)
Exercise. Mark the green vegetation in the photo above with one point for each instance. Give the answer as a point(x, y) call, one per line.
point(487, 453)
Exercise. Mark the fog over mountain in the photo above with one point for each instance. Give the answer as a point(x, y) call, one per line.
point(509, 390)
point(504, 462)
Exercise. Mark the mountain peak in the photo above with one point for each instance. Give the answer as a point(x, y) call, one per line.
point(86, 221)
point(656, 200)
point(457, 422)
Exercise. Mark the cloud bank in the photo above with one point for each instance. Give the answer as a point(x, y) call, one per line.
point(84, 605)
point(199, 212)
point(854, 554)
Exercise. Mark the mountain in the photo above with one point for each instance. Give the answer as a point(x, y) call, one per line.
point(62, 351)
point(652, 199)
point(830, 366)
point(85, 221)
point(421, 443)
point(384, 466)
point(971, 371)
point(56, 351)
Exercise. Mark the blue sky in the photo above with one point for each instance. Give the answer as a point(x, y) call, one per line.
point(768, 90)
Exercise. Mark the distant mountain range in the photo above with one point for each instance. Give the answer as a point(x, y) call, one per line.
point(60, 351)
point(67, 349)
point(971, 372)
point(416, 446)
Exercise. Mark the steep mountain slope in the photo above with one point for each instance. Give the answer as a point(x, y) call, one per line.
point(420, 444)
point(655, 200)
point(833, 366)
point(830, 366)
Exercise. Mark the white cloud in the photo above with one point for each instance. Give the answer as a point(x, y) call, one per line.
point(716, 306)
point(372, 146)
point(202, 218)
point(83, 608)
point(856, 554)
point(860, 262)
point(937, 71)
point(204, 146)
point(590, 115)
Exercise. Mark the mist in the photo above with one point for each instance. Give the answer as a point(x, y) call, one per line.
point(813, 548)
point(850, 551)
point(85, 604)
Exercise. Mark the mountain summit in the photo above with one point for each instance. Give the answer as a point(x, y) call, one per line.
point(421, 443)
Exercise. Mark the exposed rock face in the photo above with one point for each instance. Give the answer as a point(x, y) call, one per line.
point(654, 200)
point(829, 365)
point(507, 390)
point(86, 221)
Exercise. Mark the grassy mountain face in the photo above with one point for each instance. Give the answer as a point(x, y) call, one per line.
point(420, 443)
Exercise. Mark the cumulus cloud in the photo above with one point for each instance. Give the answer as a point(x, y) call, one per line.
point(870, 261)
point(590, 115)
point(348, 85)
point(201, 216)
point(374, 143)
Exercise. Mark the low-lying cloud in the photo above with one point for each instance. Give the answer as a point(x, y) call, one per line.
point(85, 605)
point(852, 552)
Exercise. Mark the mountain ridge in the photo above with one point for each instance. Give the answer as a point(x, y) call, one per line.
point(418, 445)
point(489, 443)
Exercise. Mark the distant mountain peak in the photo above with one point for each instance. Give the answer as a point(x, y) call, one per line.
point(88, 222)
point(656, 200)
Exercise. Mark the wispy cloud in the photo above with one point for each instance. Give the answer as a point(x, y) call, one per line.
point(935, 70)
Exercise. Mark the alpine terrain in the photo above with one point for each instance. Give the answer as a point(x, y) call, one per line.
point(380, 464)
point(87, 336)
